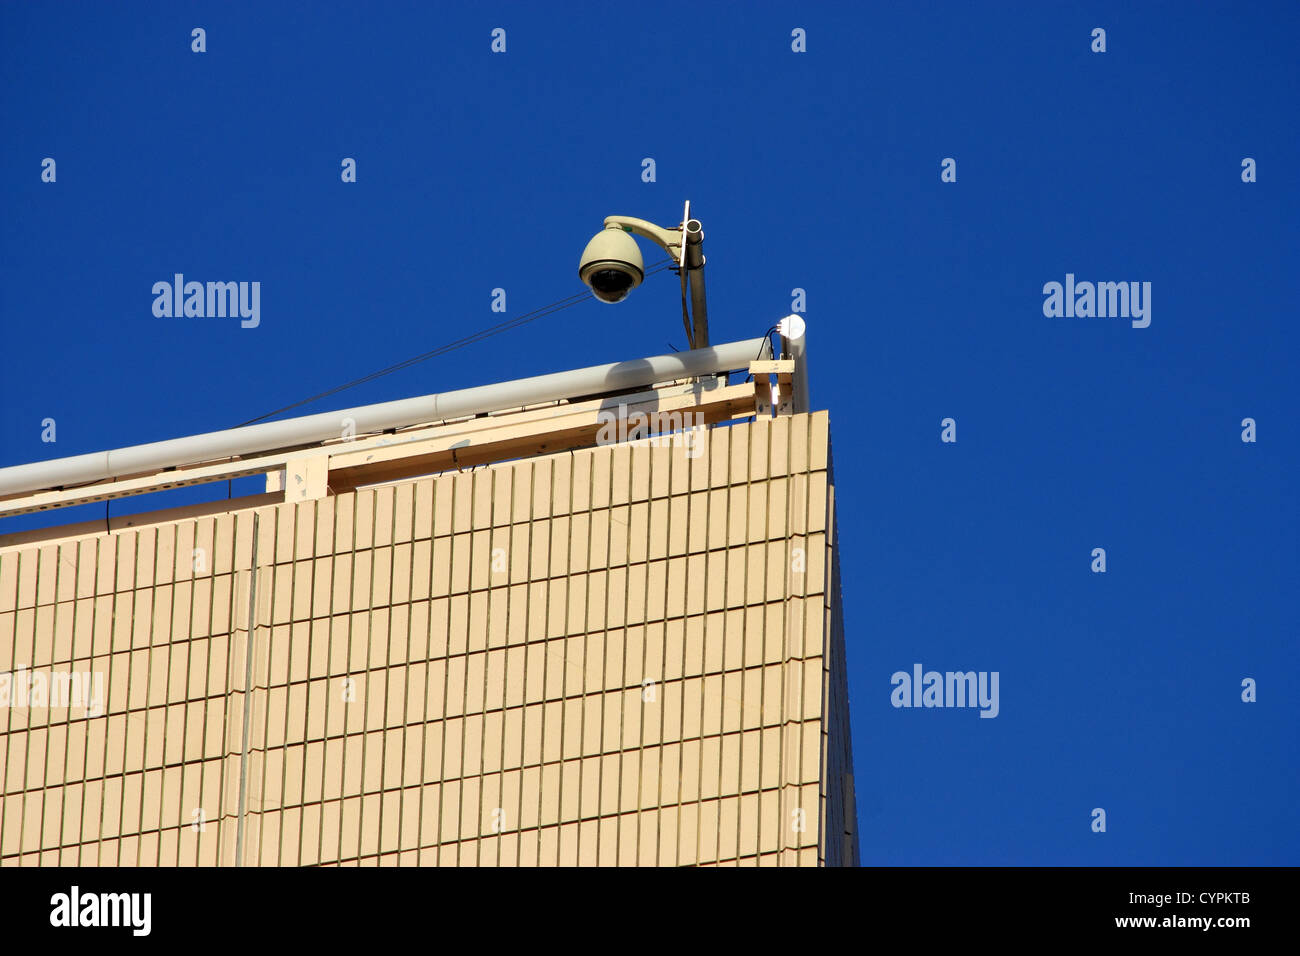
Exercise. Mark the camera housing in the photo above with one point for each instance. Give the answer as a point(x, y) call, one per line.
point(611, 265)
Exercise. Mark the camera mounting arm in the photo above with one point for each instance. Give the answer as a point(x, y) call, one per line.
point(684, 243)
point(669, 239)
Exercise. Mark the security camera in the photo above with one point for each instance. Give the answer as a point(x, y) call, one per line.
point(611, 264)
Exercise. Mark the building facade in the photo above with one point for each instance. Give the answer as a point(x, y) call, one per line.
point(627, 652)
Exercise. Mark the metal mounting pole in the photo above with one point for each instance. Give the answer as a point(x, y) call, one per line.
point(694, 236)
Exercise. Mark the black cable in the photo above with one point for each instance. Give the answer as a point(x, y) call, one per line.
point(766, 342)
point(497, 329)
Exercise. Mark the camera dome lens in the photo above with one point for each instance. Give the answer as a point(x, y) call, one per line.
point(611, 285)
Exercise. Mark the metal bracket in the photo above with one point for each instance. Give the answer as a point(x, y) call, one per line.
point(772, 395)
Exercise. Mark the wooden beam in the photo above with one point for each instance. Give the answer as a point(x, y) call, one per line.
point(579, 429)
point(763, 370)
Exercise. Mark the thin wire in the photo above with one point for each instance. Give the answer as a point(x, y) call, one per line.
point(766, 344)
point(506, 326)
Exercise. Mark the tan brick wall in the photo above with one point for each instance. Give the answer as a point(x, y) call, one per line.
point(614, 656)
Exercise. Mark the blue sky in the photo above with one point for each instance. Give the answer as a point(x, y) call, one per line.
point(817, 170)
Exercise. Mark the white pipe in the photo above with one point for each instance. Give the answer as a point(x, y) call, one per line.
point(270, 436)
point(794, 343)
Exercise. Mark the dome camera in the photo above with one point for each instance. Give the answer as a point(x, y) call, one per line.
point(611, 264)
